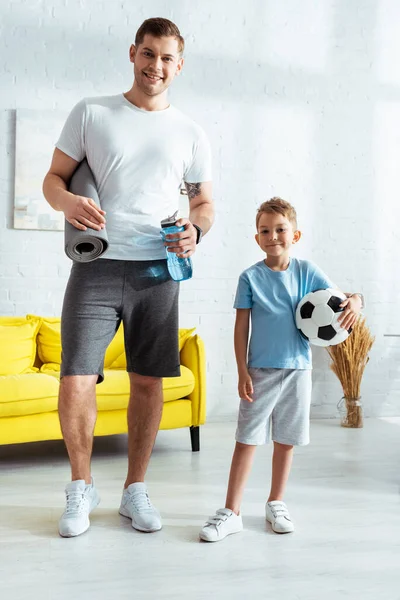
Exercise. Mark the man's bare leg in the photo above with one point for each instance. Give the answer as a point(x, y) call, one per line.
point(77, 412)
point(144, 416)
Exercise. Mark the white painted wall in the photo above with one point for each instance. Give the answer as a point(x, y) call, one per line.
point(300, 100)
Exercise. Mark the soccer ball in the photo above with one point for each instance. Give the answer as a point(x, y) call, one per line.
point(317, 318)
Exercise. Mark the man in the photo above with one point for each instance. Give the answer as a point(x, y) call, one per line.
point(139, 149)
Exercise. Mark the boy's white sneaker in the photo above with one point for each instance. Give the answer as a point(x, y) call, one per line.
point(223, 523)
point(136, 505)
point(81, 499)
point(277, 514)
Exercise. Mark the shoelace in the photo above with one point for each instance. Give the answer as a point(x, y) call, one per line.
point(140, 501)
point(217, 519)
point(76, 503)
point(280, 510)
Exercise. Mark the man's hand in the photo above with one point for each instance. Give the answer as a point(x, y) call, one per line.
point(352, 308)
point(83, 213)
point(245, 386)
point(183, 243)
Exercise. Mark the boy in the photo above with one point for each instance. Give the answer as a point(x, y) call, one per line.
point(275, 375)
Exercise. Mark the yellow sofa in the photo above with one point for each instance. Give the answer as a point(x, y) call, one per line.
point(30, 356)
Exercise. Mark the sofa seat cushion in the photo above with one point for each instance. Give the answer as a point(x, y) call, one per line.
point(113, 392)
point(27, 394)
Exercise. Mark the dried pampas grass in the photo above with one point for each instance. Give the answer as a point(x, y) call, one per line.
point(349, 360)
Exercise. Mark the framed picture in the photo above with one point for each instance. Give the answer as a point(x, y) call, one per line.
point(37, 132)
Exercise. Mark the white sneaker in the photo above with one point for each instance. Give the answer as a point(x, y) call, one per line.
point(136, 505)
point(223, 523)
point(277, 514)
point(81, 500)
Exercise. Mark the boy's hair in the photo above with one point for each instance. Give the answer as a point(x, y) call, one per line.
point(278, 206)
point(159, 27)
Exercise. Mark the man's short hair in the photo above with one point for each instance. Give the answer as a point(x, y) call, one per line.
point(277, 206)
point(159, 27)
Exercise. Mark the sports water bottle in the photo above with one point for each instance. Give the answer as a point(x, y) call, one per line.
point(179, 268)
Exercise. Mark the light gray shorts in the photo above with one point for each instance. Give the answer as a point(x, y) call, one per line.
point(280, 409)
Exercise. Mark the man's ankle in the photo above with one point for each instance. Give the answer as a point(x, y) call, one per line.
point(130, 480)
point(78, 477)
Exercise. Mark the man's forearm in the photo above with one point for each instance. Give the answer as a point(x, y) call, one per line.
point(203, 216)
point(55, 191)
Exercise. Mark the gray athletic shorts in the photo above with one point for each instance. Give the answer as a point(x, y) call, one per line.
point(280, 409)
point(102, 293)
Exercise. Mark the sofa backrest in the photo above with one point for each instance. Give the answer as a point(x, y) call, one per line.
point(36, 342)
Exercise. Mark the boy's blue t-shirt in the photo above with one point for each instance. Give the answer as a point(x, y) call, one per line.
point(275, 341)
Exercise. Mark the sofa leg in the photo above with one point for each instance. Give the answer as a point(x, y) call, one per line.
point(195, 438)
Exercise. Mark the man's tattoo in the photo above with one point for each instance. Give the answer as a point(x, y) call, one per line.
point(193, 189)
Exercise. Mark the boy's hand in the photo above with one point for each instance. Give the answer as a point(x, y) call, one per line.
point(245, 387)
point(352, 308)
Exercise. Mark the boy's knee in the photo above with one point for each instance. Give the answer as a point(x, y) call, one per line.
point(283, 447)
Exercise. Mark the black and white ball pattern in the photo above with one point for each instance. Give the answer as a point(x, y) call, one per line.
point(317, 317)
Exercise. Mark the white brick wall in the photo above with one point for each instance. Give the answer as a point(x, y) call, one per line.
point(298, 99)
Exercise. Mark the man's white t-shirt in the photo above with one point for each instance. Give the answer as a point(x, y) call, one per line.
point(139, 159)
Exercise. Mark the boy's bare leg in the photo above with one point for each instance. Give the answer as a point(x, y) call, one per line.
point(77, 413)
point(242, 461)
point(144, 415)
point(281, 464)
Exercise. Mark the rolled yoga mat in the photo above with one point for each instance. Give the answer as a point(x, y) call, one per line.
point(84, 246)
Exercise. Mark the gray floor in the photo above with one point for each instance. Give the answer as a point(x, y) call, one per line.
point(343, 496)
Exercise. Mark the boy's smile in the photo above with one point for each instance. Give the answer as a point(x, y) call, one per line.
point(275, 237)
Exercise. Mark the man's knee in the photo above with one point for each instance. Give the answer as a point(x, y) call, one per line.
point(77, 385)
point(145, 383)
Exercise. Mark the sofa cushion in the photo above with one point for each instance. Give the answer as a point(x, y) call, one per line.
point(27, 394)
point(17, 344)
point(175, 388)
point(113, 392)
point(184, 334)
point(49, 342)
point(115, 348)
point(50, 369)
point(120, 362)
